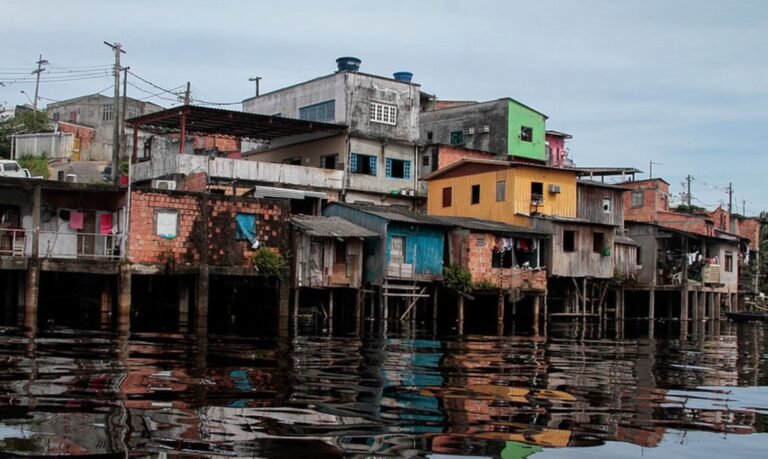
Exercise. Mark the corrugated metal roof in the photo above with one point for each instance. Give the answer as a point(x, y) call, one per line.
point(274, 192)
point(396, 214)
point(478, 224)
point(330, 227)
point(626, 240)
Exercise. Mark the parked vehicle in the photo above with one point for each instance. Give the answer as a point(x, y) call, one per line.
point(11, 168)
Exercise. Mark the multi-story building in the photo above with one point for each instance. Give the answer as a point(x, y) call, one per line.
point(378, 153)
point(97, 111)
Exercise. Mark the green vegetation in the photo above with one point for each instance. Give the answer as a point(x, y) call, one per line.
point(37, 166)
point(485, 284)
point(457, 278)
point(689, 209)
point(24, 123)
point(269, 263)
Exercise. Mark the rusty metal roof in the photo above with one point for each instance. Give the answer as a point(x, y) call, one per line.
point(206, 121)
point(335, 227)
point(477, 224)
point(395, 213)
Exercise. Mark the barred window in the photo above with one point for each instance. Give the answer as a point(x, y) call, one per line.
point(107, 113)
point(383, 113)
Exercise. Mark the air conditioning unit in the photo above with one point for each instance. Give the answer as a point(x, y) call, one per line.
point(469, 131)
point(484, 129)
point(554, 189)
point(164, 184)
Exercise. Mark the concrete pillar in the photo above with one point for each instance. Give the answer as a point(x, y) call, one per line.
point(500, 314)
point(201, 305)
point(124, 300)
point(708, 300)
point(735, 302)
point(32, 296)
point(183, 284)
point(651, 303)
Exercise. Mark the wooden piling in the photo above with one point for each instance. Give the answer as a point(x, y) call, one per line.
point(105, 305)
point(124, 300)
point(201, 303)
point(461, 314)
point(684, 304)
point(183, 287)
point(500, 314)
point(32, 295)
point(536, 308)
point(651, 303)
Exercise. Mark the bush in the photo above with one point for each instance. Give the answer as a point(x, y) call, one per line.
point(269, 263)
point(36, 166)
point(457, 278)
point(485, 284)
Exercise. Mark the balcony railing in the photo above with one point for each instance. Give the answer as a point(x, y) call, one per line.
point(53, 244)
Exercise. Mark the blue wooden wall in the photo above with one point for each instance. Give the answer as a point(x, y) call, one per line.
point(424, 243)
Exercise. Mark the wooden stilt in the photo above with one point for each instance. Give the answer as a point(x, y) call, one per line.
point(124, 301)
point(461, 315)
point(500, 313)
point(651, 303)
point(536, 307)
point(684, 304)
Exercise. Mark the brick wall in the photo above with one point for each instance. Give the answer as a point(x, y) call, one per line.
point(186, 248)
point(479, 249)
point(85, 134)
point(449, 155)
point(655, 199)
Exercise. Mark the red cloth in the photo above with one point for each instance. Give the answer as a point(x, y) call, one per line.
point(105, 224)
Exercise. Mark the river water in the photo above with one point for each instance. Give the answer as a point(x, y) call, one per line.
point(574, 391)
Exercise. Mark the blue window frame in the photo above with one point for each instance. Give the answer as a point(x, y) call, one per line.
point(324, 112)
point(362, 164)
point(457, 138)
point(398, 168)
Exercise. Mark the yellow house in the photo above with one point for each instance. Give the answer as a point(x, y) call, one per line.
point(503, 191)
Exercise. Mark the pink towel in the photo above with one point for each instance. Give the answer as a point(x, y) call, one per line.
point(105, 224)
point(76, 220)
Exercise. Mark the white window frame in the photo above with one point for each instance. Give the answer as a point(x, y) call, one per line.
point(383, 113)
point(107, 112)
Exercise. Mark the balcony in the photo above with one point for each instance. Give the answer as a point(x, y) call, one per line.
point(17, 243)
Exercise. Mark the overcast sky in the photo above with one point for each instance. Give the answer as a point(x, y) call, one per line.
point(681, 83)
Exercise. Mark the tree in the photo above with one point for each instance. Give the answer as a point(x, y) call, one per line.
point(26, 122)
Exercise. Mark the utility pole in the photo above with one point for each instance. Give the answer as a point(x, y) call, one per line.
point(730, 197)
point(688, 194)
point(118, 48)
point(40, 63)
point(256, 79)
point(123, 139)
point(743, 206)
point(187, 94)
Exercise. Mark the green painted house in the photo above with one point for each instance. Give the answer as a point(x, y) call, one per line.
point(503, 127)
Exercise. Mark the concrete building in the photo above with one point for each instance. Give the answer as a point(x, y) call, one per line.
point(378, 153)
point(504, 127)
point(97, 111)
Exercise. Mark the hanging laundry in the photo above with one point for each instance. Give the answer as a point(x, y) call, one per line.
point(76, 220)
point(105, 224)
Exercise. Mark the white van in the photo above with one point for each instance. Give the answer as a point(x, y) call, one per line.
point(10, 168)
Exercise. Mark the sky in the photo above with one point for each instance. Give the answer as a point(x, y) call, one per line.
point(681, 83)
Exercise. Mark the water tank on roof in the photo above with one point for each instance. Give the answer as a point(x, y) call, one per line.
point(405, 77)
point(348, 64)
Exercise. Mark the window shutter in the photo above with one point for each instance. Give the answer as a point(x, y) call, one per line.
point(389, 167)
point(406, 169)
point(353, 162)
point(372, 164)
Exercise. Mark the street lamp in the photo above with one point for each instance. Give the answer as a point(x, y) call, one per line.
point(27, 95)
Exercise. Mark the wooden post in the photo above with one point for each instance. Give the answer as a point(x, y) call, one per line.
point(717, 297)
point(283, 306)
point(651, 302)
point(583, 297)
point(695, 306)
point(183, 304)
point(536, 307)
point(500, 313)
point(330, 311)
point(32, 295)
point(124, 300)
point(201, 305)
point(106, 305)
point(296, 298)
point(684, 304)
point(461, 314)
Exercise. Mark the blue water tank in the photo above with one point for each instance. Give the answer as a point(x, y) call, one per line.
point(403, 76)
point(348, 64)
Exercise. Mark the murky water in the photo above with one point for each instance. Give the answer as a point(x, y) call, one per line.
point(577, 392)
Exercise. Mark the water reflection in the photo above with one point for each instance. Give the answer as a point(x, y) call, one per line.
point(75, 392)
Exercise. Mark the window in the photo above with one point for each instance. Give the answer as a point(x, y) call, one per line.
point(569, 241)
point(598, 242)
point(457, 138)
point(56, 116)
point(425, 160)
point(362, 164)
point(501, 190)
point(606, 205)
point(729, 262)
point(107, 113)
point(245, 227)
point(133, 112)
point(166, 223)
point(637, 199)
point(502, 259)
point(537, 192)
point(526, 134)
point(323, 112)
point(398, 168)
point(475, 194)
point(447, 196)
point(73, 116)
point(383, 113)
point(329, 161)
point(430, 135)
